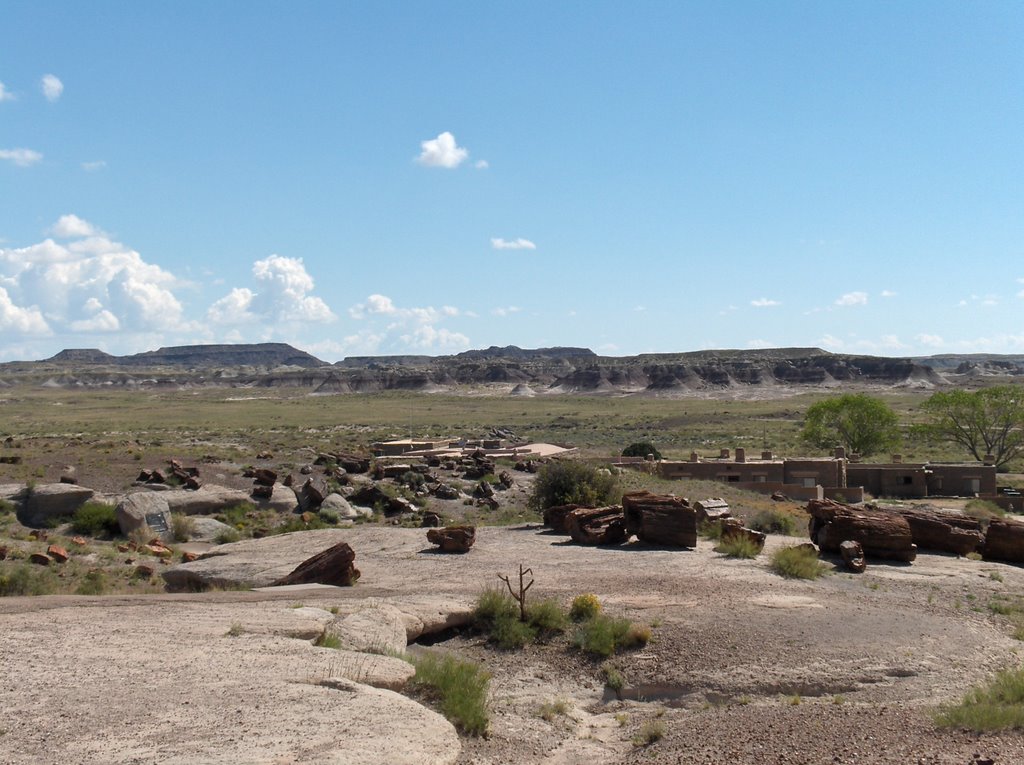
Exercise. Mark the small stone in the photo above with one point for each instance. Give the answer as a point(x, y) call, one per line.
point(58, 553)
point(40, 559)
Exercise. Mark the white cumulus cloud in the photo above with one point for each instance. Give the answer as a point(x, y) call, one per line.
point(853, 298)
point(21, 157)
point(512, 244)
point(393, 328)
point(52, 87)
point(442, 151)
point(281, 295)
point(764, 303)
point(71, 226)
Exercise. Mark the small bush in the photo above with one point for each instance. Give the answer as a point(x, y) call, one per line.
point(329, 515)
point(570, 482)
point(226, 536)
point(183, 527)
point(459, 688)
point(604, 635)
point(547, 617)
point(412, 479)
point(491, 606)
point(6, 508)
point(998, 705)
point(710, 530)
point(510, 633)
point(650, 731)
point(95, 519)
point(585, 606)
point(773, 522)
point(738, 546)
point(797, 562)
point(983, 509)
point(613, 677)
point(93, 583)
point(26, 580)
point(327, 640)
point(549, 710)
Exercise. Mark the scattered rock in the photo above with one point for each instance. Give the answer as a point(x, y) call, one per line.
point(69, 474)
point(555, 517)
point(40, 559)
point(853, 556)
point(340, 505)
point(445, 491)
point(453, 539)
point(143, 508)
point(264, 476)
point(143, 571)
point(335, 566)
point(1004, 540)
point(711, 509)
point(733, 527)
point(79, 541)
point(313, 492)
point(57, 553)
point(52, 500)
point(597, 526)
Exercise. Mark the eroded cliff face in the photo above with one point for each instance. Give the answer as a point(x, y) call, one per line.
point(501, 371)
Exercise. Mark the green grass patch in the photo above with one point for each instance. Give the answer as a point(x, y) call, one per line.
point(983, 509)
point(738, 546)
point(95, 582)
point(183, 527)
point(328, 640)
point(649, 733)
point(797, 562)
point(604, 635)
point(96, 519)
point(26, 579)
point(773, 522)
point(457, 687)
point(997, 705)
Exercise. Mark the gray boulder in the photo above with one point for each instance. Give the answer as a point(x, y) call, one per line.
point(52, 500)
point(144, 508)
point(208, 500)
point(207, 529)
point(282, 500)
point(340, 505)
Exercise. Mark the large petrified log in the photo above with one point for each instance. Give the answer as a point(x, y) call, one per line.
point(555, 517)
point(711, 509)
point(456, 539)
point(1004, 541)
point(597, 525)
point(881, 534)
point(335, 565)
point(934, 529)
point(660, 519)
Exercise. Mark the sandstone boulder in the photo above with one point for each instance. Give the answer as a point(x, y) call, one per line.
point(208, 500)
point(143, 508)
point(340, 505)
point(281, 499)
point(50, 501)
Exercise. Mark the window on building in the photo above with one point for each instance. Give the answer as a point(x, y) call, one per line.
point(809, 483)
point(906, 480)
point(732, 478)
point(972, 485)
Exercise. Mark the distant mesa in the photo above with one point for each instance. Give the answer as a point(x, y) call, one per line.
point(192, 356)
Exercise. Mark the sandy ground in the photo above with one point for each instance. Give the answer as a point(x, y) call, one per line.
point(744, 667)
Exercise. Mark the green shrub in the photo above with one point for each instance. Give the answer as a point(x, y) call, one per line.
point(584, 606)
point(738, 546)
point(183, 527)
point(641, 449)
point(547, 617)
point(510, 633)
point(412, 479)
point(328, 640)
point(650, 731)
point(604, 635)
point(227, 536)
point(493, 605)
point(797, 562)
point(613, 677)
point(998, 705)
point(93, 583)
point(6, 508)
point(566, 482)
point(95, 519)
point(549, 710)
point(329, 515)
point(458, 687)
point(773, 522)
point(25, 579)
point(983, 509)
point(710, 530)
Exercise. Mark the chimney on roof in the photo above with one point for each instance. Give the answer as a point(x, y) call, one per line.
point(854, 457)
point(741, 454)
point(990, 459)
point(767, 454)
point(897, 459)
point(840, 452)
point(694, 457)
point(723, 454)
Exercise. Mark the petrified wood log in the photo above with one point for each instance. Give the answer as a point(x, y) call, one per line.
point(1004, 541)
point(934, 529)
point(264, 476)
point(881, 534)
point(853, 556)
point(454, 539)
point(555, 517)
point(711, 509)
point(335, 565)
point(660, 519)
point(733, 527)
point(597, 525)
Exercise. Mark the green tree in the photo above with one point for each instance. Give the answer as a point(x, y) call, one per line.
point(568, 482)
point(988, 421)
point(862, 423)
point(641, 449)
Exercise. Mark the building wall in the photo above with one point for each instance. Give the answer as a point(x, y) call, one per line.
point(722, 470)
point(923, 480)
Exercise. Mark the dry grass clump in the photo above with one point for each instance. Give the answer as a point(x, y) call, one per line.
point(738, 546)
point(458, 687)
point(997, 705)
point(797, 562)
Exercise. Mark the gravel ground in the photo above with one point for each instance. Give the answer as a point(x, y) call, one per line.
point(744, 667)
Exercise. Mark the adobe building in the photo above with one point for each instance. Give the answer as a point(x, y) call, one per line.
point(836, 477)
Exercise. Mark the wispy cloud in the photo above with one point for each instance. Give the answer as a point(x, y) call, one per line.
point(889, 294)
point(400, 329)
point(853, 298)
point(21, 157)
point(505, 311)
point(5, 94)
point(930, 341)
point(765, 303)
point(512, 244)
point(92, 167)
point(481, 164)
point(52, 87)
point(442, 151)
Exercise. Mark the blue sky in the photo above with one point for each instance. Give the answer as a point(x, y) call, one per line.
point(373, 178)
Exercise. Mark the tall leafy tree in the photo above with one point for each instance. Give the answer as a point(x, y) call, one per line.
point(862, 423)
point(985, 422)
